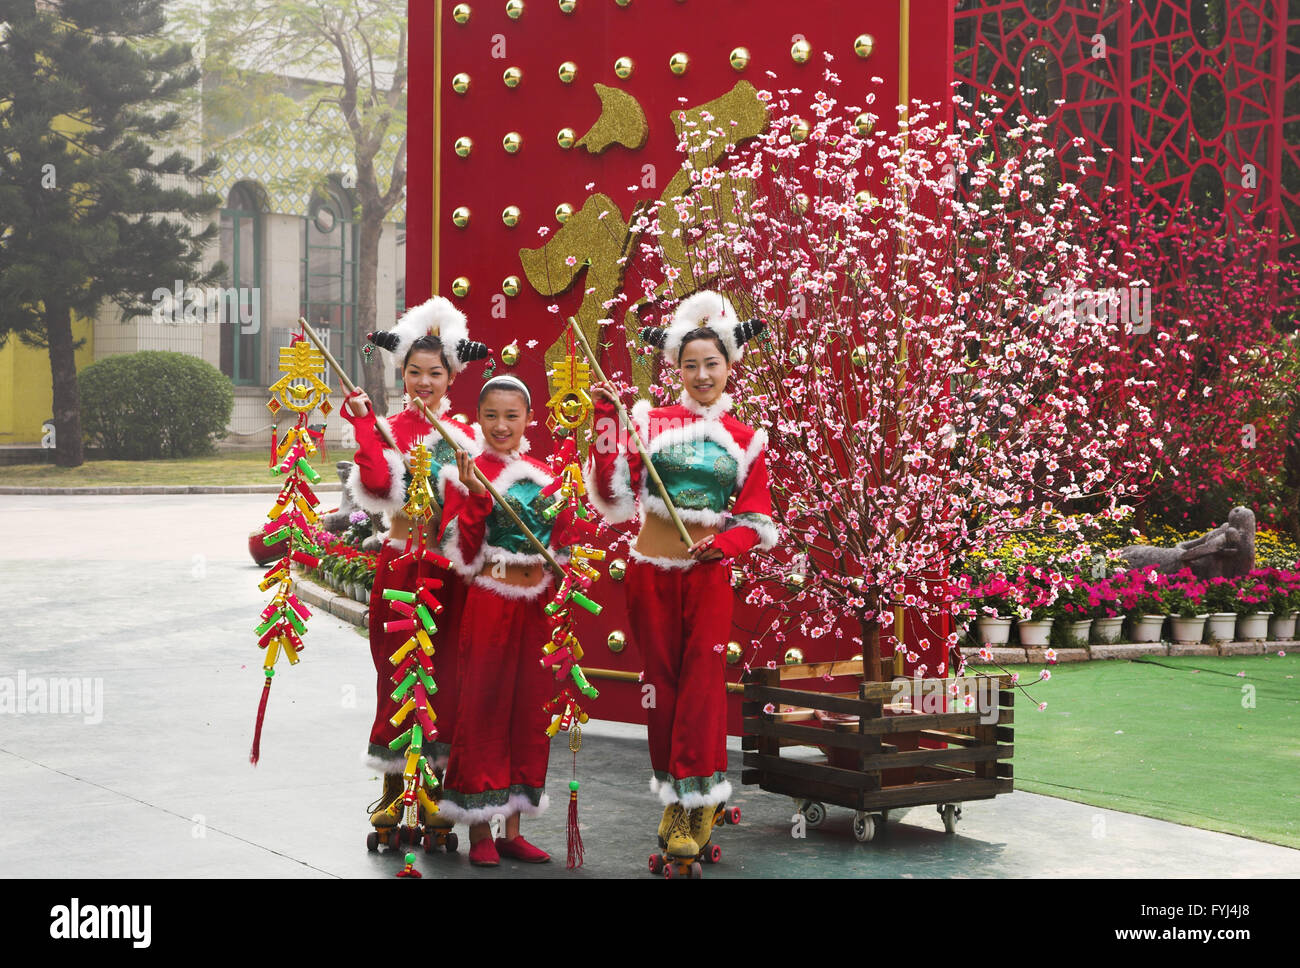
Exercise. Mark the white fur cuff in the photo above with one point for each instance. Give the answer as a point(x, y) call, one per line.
point(719, 793)
point(389, 502)
point(394, 763)
point(517, 803)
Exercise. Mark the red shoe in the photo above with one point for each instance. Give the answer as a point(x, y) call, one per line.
point(484, 853)
point(521, 849)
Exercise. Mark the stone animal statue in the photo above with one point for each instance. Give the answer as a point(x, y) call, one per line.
point(1225, 552)
point(336, 522)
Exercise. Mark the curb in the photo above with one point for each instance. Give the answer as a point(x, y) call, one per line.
point(340, 606)
point(143, 489)
point(1135, 650)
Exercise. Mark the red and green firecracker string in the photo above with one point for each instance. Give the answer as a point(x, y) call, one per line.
point(413, 673)
point(284, 620)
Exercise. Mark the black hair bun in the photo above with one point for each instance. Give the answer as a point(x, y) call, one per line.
point(748, 330)
point(467, 351)
point(654, 335)
point(384, 340)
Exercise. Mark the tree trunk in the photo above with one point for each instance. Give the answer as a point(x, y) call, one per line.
point(67, 397)
point(372, 377)
point(871, 650)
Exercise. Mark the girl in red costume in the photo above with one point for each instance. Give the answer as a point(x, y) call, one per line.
point(432, 343)
point(499, 756)
point(680, 596)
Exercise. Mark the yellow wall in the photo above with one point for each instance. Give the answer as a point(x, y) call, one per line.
point(26, 391)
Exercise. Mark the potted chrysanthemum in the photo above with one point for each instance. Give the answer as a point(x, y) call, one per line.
point(1141, 596)
point(1252, 596)
point(1221, 602)
point(1035, 595)
point(1072, 606)
point(1184, 596)
point(1283, 601)
point(993, 603)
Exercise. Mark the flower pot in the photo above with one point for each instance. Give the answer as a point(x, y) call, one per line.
point(1035, 632)
point(1108, 630)
point(1282, 626)
point(1146, 628)
point(1253, 626)
point(994, 631)
point(1188, 629)
point(1079, 630)
point(1221, 626)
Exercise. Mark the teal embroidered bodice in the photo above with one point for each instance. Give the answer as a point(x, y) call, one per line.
point(698, 474)
point(529, 502)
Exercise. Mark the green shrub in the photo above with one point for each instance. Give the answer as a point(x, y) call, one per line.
point(155, 404)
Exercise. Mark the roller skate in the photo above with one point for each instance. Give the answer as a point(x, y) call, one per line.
point(703, 820)
point(437, 829)
point(386, 818)
point(682, 854)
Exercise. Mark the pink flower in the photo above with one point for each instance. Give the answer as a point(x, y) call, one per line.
point(769, 709)
point(1044, 674)
point(1042, 706)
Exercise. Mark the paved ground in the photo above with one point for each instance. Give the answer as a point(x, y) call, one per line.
point(153, 601)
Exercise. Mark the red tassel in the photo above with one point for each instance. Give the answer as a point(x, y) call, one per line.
point(272, 446)
point(575, 835)
point(257, 730)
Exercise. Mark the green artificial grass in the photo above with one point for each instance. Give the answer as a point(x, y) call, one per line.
point(1170, 737)
point(234, 468)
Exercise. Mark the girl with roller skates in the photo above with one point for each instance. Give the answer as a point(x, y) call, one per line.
point(431, 342)
point(679, 596)
point(499, 756)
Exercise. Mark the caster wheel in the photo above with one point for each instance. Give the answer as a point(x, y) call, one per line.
point(732, 815)
point(712, 854)
point(656, 864)
point(372, 841)
point(452, 843)
point(427, 843)
point(951, 813)
point(814, 812)
point(864, 827)
point(697, 872)
point(670, 871)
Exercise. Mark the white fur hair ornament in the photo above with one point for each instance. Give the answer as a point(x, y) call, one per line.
point(704, 308)
point(436, 317)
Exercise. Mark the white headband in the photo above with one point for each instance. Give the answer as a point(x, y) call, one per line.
point(512, 381)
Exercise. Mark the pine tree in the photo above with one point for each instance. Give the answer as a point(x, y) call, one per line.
point(87, 96)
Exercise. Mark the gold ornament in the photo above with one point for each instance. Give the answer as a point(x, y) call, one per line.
point(568, 6)
point(460, 418)
point(793, 581)
point(622, 121)
point(801, 51)
point(859, 355)
point(856, 658)
point(460, 286)
point(799, 204)
point(570, 404)
point(512, 142)
point(864, 124)
point(568, 71)
point(563, 211)
point(864, 199)
point(623, 3)
point(794, 656)
point(617, 641)
point(515, 9)
point(617, 569)
point(740, 58)
point(460, 83)
point(512, 76)
point(460, 13)
point(623, 67)
point(734, 653)
point(799, 130)
point(863, 45)
point(510, 286)
point(737, 578)
point(463, 147)
point(460, 217)
point(300, 386)
point(565, 138)
point(678, 63)
point(510, 215)
point(510, 354)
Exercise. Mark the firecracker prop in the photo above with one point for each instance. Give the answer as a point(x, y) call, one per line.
point(413, 673)
point(284, 619)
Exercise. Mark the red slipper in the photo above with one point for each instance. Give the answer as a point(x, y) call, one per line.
point(521, 849)
point(484, 853)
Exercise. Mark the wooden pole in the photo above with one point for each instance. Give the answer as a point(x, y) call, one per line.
point(636, 438)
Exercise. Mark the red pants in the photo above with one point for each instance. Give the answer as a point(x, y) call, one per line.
point(682, 622)
point(500, 752)
point(446, 665)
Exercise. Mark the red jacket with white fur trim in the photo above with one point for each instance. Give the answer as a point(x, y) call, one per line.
point(379, 479)
point(703, 455)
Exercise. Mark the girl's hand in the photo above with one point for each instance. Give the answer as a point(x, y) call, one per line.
point(703, 550)
point(468, 477)
point(358, 402)
point(605, 389)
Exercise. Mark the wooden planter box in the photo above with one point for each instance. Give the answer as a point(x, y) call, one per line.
point(871, 740)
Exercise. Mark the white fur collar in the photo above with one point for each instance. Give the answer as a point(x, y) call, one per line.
point(443, 406)
point(714, 410)
point(508, 456)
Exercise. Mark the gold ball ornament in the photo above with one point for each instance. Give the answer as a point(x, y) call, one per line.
point(678, 63)
point(568, 6)
point(512, 142)
point(460, 217)
point(617, 569)
point(510, 354)
point(864, 199)
point(510, 215)
point(799, 204)
point(801, 51)
point(863, 45)
point(740, 58)
point(515, 9)
point(623, 67)
point(563, 212)
point(460, 418)
point(859, 355)
point(463, 147)
point(623, 3)
point(737, 578)
point(794, 656)
point(795, 581)
point(568, 71)
point(864, 124)
point(799, 130)
point(617, 641)
point(460, 286)
point(460, 13)
point(510, 286)
point(512, 76)
point(565, 138)
point(460, 83)
point(734, 653)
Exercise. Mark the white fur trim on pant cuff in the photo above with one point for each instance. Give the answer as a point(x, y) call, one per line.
point(667, 795)
point(380, 764)
point(390, 502)
point(517, 803)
